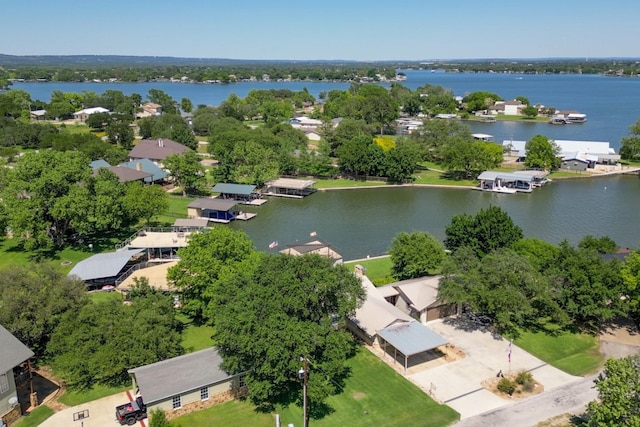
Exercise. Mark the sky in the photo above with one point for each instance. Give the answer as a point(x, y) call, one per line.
point(328, 30)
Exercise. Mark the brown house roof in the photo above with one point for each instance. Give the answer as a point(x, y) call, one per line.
point(156, 149)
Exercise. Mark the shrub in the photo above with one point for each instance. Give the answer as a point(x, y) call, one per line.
point(507, 386)
point(527, 386)
point(524, 377)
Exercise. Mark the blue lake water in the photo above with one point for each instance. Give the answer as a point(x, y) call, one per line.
point(364, 222)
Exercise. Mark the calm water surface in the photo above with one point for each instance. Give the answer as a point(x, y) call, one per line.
point(363, 222)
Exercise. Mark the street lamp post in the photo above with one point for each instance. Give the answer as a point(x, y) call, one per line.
point(303, 375)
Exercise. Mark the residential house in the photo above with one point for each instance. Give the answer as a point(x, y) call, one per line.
point(156, 150)
point(418, 298)
point(184, 383)
point(508, 108)
point(304, 122)
point(149, 109)
point(314, 246)
point(37, 114)
point(125, 174)
point(590, 153)
point(12, 354)
point(145, 165)
point(83, 115)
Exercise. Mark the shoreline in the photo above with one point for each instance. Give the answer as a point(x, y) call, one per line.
point(630, 170)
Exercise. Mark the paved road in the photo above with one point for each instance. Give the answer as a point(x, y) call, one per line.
point(570, 398)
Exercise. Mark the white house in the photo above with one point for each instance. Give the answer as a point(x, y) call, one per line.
point(304, 122)
point(83, 115)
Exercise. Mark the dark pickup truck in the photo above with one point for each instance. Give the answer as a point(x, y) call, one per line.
point(131, 412)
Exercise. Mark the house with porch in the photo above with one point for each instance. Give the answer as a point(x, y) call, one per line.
point(12, 353)
point(192, 381)
point(314, 246)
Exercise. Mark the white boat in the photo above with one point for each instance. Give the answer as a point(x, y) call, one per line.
point(558, 121)
point(505, 190)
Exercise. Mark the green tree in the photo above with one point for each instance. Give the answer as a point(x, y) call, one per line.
point(279, 309)
point(523, 99)
point(33, 300)
point(415, 254)
point(488, 230)
point(618, 401)
point(542, 153)
point(630, 272)
point(436, 135)
point(600, 245)
point(187, 171)
point(234, 107)
point(46, 197)
point(480, 100)
point(504, 286)
point(186, 105)
point(400, 161)
point(630, 145)
point(529, 112)
point(466, 158)
point(210, 255)
point(588, 289)
point(144, 202)
point(378, 107)
point(169, 105)
point(100, 342)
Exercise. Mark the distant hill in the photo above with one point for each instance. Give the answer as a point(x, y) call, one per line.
point(122, 60)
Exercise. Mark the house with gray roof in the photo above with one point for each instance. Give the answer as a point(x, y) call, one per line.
point(193, 380)
point(145, 165)
point(12, 354)
point(103, 269)
point(379, 323)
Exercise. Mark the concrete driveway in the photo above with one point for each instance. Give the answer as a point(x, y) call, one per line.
point(459, 383)
point(101, 414)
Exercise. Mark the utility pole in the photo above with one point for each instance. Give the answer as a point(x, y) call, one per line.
point(303, 374)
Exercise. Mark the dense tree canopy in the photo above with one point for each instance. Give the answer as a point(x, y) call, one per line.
point(415, 254)
point(504, 286)
point(488, 230)
point(33, 299)
point(100, 342)
point(52, 197)
point(618, 401)
point(279, 309)
point(480, 100)
point(209, 257)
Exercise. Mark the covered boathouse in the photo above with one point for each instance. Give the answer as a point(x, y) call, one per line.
point(216, 210)
point(242, 193)
point(288, 187)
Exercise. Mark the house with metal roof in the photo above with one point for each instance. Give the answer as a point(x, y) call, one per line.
point(593, 152)
point(156, 150)
point(12, 354)
point(84, 114)
point(194, 380)
point(379, 323)
point(215, 210)
point(103, 269)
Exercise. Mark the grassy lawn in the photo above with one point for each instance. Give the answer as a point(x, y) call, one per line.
point(13, 254)
point(374, 395)
point(337, 183)
point(378, 270)
point(576, 354)
point(177, 209)
point(77, 397)
point(194, 337)
point(35, 417)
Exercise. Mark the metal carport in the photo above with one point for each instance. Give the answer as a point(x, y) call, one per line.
point(410, 338)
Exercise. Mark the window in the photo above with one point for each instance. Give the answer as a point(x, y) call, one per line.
point(204, 393)
point(176, 402)
point(4, 383)
point(241, 382)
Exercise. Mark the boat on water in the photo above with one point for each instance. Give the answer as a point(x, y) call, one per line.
point(576, 118)
point(501, 189)
point(557, 121)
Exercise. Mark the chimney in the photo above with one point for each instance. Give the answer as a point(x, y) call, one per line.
point(160, 143)
point(138, 166)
